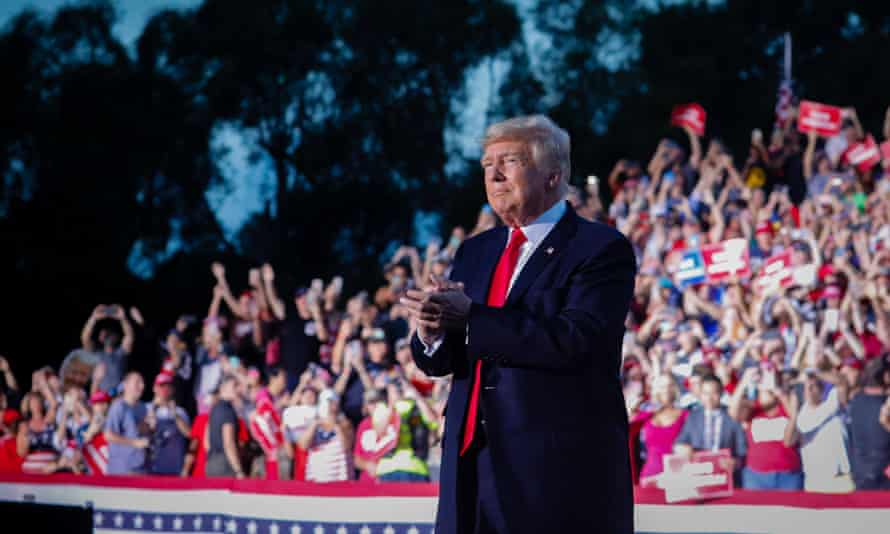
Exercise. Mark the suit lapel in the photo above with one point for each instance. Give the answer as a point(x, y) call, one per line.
point(488, 261)
point(547, 251)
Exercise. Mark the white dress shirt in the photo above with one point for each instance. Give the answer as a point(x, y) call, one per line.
point(535, 233)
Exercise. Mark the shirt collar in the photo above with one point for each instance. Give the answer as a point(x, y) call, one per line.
point(538, 229)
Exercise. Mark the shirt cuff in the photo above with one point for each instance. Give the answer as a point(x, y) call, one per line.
point(431, 349)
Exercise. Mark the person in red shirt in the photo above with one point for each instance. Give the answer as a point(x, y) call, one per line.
point(10, 460)
point(764, 409)
point(377, 434)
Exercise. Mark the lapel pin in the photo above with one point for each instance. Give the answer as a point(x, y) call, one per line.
point(549, 250)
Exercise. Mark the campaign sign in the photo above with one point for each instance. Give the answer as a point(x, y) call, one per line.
point(864, 155)
point(691, 269)
point(726, 259)
point(776, 271)
point(703, 476)
point(823, 119)
point(691, 115)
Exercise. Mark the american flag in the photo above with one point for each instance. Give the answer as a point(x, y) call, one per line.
point(139, 521)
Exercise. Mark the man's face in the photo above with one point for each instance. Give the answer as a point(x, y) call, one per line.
point(133, 386)
point(813, 391)
point(163, 392)
point(278, 381)
point(517, 190)
point(710, 395)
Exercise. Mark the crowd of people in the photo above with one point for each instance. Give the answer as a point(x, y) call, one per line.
point(791, 377)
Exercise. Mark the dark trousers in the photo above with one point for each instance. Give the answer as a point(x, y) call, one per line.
point(479, 511)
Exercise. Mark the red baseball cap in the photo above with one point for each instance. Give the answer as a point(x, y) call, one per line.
point(99, 396)
point(10, 416)
point(163, 378)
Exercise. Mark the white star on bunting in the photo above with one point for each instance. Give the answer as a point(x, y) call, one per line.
point(177, 523)
point(217, 523)
point(413, 530)
point(273, 528)
point(118, 520)
point(389, 530)
point(196, 523)
point(342, 530)
point(251, 527)
point(319, 529)
point(137, 521)
point(232, 526)
point(158, 522)
point(97, 518)
point(365, 530)
point(295, 529)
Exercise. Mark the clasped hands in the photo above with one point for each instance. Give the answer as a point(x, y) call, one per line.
point(438, 308)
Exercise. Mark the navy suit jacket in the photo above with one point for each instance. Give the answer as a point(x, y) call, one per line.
point(555, 416)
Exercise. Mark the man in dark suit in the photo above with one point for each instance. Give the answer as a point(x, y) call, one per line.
point(710, 428)
point(530, 326)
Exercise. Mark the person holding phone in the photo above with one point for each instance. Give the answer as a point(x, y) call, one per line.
point(111, 349)
point(773, 461)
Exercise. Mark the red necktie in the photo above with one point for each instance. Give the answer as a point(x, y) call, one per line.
point(497, 295)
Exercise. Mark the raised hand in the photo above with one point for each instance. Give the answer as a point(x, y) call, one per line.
point(253, 278)
point(268, 273)
point(219, 272)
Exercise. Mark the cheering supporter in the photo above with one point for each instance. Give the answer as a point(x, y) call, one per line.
point(662, 424)
point(376, 434)
point(38, 442)
point(266, 426)
point(223, 454)
point(710, 428)
point(127, 429)
point(819, 428)
point(416, 422)
point(111, 350)
point(869, 412)
point(328, 440)
point(765, 411)
point(93, 442)
point(170, 429)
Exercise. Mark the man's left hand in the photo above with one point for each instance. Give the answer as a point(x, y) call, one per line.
point(455, 307)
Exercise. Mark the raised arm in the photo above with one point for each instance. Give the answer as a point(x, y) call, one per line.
point(808, 170)
point(86, 335)
point(121, 317)
point(275, 303)
point(694, 147)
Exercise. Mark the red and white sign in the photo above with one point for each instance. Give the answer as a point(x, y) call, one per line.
point(691, 115)
point(776, 271)
point(823, 119)
point(703, 476)
point(864, 155)
point(726, 259)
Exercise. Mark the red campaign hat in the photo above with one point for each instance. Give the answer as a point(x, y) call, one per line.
point(826, 270)
point(99, 396)
point(10, 416)
point(163, 378)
